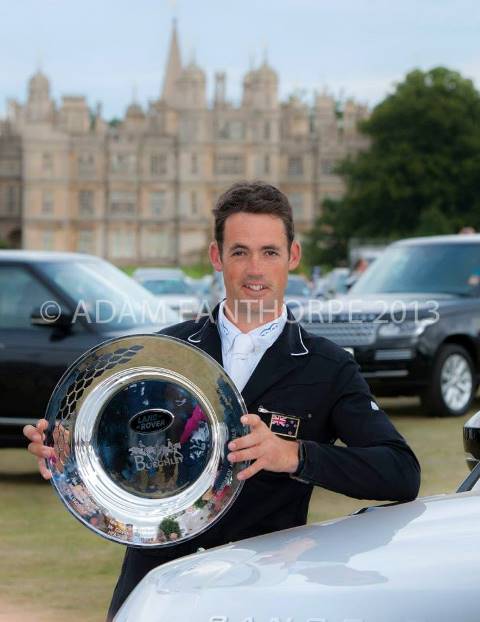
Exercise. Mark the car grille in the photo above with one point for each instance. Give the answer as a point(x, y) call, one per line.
point(345, 333)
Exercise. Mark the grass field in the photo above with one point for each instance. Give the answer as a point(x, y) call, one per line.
point(50, 562)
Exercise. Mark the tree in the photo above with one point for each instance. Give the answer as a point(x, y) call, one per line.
point(421, 174)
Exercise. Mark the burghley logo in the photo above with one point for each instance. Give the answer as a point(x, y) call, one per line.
point(155, 456)
point(151, 420)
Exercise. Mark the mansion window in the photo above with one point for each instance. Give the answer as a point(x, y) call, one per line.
point(85, 241)
point(158, 203)
point(85, 203)
point(229, 165)
point(122, 244)
point(47, 202)
point(267, 130)
point(262, 165)
point(158, 164)
point(296, 201)
point(188, 129)
point(231, 130)
point(48, 240)
point(266, 165)
point(156, 244)
point(11, 199)
point(124, 163)
point(47, 163)
point(86, 164)
point(122, 203)
point(328, 167)
point(295, 166)
point(194, 203)
point(194, 162)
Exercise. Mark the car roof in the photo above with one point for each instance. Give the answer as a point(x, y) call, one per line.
point(28, 256)
point(473, 238)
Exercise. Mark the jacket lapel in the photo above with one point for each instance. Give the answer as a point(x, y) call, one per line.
point(207, 337)
point(286, 354)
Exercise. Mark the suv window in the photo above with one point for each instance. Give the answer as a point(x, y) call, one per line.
point(431, 268)
point(20, 293)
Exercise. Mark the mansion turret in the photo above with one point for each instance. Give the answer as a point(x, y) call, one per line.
point(141, 189)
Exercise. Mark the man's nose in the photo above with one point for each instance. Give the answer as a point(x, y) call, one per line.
point(254, 267)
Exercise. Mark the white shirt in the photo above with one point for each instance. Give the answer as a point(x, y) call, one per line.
point(241, 352)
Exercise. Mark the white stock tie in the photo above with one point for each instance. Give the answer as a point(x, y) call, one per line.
point(243, 347)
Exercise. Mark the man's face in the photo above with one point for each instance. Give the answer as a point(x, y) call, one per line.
point(255, 260)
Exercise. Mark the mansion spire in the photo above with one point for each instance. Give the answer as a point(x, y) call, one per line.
point(173, 69)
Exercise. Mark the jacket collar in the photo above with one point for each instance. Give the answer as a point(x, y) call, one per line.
point(286, 353)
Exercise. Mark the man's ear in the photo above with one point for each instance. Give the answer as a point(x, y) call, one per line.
point(215, 256)
point(295, 255)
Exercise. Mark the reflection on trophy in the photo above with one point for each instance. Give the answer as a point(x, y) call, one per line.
point(140, 427)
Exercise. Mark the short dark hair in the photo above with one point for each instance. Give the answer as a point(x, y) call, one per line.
point(252, 197)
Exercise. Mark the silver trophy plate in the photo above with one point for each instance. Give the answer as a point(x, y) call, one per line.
point(140, 427)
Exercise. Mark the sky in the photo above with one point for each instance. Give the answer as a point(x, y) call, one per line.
point(113, 50)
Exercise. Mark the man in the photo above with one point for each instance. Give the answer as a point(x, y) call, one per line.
point(287, 378)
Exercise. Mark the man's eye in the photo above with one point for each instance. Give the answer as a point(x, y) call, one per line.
point(270, 253)
point(238, 253)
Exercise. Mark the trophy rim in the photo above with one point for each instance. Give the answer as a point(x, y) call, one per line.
point(88, 466)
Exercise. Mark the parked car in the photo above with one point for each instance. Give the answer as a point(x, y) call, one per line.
point(54, 307)
point(171, 285)
point(336, 283)
point(397, 563)
point(412, 321)
point(297, 293)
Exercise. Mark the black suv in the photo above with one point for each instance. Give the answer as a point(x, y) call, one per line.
point(54, 307)
point(412, 322)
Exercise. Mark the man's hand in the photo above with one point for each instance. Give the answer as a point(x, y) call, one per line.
point(268, 451)
point(36, 447)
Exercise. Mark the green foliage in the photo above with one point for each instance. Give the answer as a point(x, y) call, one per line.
point(421, 174)
point(169, 526)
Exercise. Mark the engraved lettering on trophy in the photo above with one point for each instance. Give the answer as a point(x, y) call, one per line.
point(151, 420)
point(155, 456)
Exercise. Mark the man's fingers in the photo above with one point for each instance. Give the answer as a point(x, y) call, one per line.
point(44, 472)
point(251, 470)
point(251, 420)
point(244, 441)
point(39, 450)
point(251, 453)
point(32, 433)
point(36, 433)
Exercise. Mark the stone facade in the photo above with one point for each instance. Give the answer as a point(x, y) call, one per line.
point(141, 191)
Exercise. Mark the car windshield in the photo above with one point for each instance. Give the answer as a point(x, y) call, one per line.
point(297, 288)
point(104, 295)
point(168, 286)
point(424, 268)
point(338, 281)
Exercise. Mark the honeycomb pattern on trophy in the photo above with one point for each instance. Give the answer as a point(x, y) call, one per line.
point(96, 367)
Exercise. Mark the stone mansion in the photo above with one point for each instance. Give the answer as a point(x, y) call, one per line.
point(140, 190)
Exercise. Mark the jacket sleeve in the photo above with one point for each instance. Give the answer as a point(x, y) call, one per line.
point(376, 462)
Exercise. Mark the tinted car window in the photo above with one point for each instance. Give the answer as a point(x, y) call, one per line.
point(20, 293)
point(442, 268)
point(170, 286)
point(297, 288)
point(103, 294)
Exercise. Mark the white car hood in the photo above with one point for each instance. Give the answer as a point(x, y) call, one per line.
point(415, 561)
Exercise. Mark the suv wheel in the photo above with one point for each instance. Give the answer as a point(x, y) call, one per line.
point(452, 384)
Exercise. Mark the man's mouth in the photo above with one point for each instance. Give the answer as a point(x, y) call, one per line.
point(255, 287)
